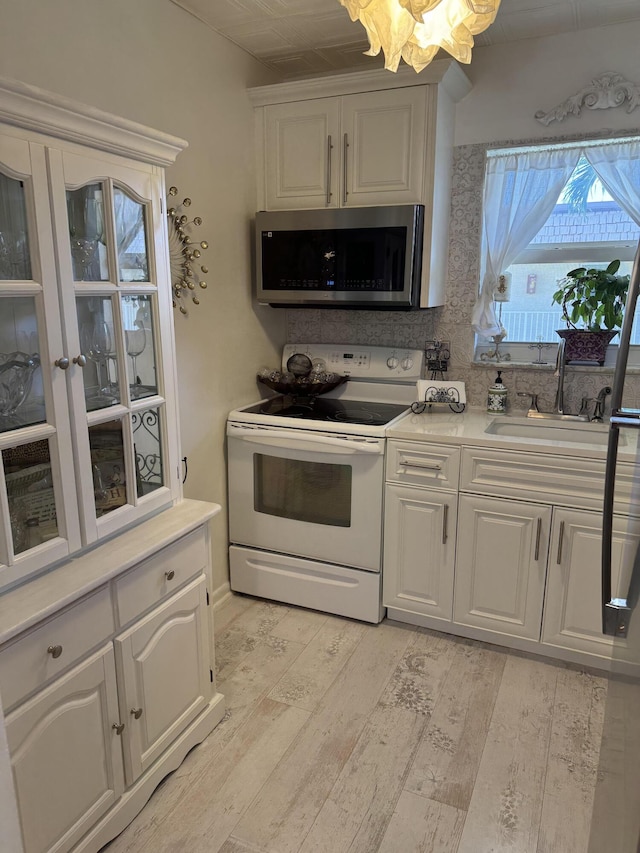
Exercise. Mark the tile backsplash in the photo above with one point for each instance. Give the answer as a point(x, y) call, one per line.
point(451, 322)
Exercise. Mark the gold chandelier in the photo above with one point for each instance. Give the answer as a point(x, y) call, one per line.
point(416, 29)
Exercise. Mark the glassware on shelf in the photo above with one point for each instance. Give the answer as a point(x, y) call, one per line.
point(96, 343)
point(16, 375)
point(136, 340)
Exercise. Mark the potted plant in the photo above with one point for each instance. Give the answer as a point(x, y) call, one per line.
point(592, 302)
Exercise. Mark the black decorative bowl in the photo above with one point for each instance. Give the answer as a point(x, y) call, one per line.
point(302, 388)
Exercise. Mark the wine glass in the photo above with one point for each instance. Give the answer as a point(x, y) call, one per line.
point(96, 343)
point(136, 340)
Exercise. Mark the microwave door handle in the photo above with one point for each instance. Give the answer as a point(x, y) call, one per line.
point(281, 438)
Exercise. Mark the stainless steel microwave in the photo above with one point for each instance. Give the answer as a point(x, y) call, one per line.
point(366, 257)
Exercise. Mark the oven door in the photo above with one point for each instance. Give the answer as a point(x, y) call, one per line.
point(308, 494)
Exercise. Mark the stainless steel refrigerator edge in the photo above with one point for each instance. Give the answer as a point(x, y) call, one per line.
point(615, 824)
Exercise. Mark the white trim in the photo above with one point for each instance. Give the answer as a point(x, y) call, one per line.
point(45, 112)
point(445, 71)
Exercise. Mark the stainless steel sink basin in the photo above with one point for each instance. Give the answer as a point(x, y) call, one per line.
point(573, 432)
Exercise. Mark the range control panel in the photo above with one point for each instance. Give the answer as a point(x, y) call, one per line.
point(382, 364)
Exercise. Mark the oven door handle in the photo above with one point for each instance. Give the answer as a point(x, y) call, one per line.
point(293, 439)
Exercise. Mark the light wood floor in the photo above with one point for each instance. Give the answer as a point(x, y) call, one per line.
point(341, 736)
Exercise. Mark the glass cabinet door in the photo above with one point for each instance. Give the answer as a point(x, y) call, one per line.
point(38, 512)
point(107, 232)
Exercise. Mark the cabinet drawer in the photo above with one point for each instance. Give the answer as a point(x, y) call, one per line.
point(428, 465)
point(151, 581)
point(26, 663)
point(533, 476)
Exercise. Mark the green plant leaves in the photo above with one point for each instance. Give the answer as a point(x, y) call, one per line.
point(592, 298)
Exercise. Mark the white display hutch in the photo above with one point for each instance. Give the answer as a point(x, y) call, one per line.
point(106, 652)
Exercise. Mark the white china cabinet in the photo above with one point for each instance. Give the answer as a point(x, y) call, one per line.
point(87, 411)
point(363, 139)
point(106, 653)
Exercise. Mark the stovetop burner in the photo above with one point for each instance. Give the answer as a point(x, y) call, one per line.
point(326, 409)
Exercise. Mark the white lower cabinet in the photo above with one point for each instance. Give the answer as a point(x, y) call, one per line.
point(107, 694)
point(163, 672)
point(66, 755)
point(518, 572)
point(419, 544)
point(501, 565)
point(573, 609)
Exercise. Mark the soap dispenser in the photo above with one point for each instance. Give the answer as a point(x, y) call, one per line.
point(497, 398)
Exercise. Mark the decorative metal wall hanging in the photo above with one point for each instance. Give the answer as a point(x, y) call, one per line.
point(185, 254)
point(609, 90)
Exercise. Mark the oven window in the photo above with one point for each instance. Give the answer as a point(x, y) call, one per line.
point(318, 492)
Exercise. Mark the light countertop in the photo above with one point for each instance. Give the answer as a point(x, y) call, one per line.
point(442, 426)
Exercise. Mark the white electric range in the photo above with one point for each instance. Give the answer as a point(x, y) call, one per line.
point(306, 482)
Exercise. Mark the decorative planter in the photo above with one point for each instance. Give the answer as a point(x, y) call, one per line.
point(584, 346)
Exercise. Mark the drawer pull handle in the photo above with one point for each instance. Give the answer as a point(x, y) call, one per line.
point(55, 651)
point(170, 575)
point(445, 519)
point(415, 463)
point(536, 555)
point(137, 713)
point(560, 538)
point(118, 727)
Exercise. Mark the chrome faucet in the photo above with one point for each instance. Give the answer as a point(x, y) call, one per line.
point(558, 408)
point(598, 413)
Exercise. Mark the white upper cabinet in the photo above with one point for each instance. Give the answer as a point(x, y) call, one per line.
point(88, 427)
point(301, 166)
point(339, 152)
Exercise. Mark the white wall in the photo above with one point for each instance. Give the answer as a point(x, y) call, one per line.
point(150, 61)
point(511, 82)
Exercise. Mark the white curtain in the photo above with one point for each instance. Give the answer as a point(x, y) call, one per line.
point(618, 167)
point(520, 192)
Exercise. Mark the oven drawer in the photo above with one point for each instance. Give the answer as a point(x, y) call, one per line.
point(433, 466)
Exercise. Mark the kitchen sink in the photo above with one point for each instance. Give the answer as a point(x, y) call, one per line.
point(573, 432)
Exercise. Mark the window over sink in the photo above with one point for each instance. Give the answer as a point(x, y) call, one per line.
point(548, 209)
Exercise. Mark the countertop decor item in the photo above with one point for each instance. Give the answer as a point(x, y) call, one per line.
point(185, 254)
point(592, 302)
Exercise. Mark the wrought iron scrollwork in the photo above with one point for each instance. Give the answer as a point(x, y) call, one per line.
point(146, 425)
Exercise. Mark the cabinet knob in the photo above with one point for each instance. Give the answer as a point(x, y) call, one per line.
point(80, 360)
point(170, 575)
point(55, 651)
point(119, 728)
point(63, 363)
point(137, 713)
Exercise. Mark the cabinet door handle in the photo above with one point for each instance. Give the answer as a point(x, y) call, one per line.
point(445, 524)
point(345, 146)
point(118, 728)
point(415, 463)
point(329, 150)
point(137, 713)
point(55, 651)
point(80, 360)
point(170, 575)
point(560, 538)
point(536, 555)
point(62, 362)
